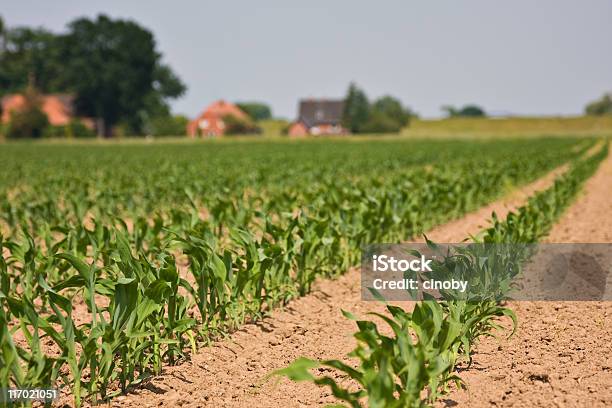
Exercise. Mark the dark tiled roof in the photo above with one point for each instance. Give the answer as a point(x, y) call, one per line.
point(321, 111)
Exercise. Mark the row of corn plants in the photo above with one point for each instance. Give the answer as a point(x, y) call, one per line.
point(110, 273)
point(413, 366)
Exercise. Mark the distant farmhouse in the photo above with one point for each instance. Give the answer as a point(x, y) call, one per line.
point(210, 122)
point(319, 117)
point(59, 108)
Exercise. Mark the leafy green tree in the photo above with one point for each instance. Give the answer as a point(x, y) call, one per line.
point(29, 121)
point(256, 110)
point(169, 125)
point(115, 70)
point(239, 126)
point(112, 67)
point(472, 111)
point(602, 106)
point(356, 109)
point(165, 85)
point(379, 122)
point(2, 35)
point(392, 108)
point(29, 53)
point(387, 115)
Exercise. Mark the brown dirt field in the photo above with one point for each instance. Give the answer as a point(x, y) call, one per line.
point(560, 356)
point(232, 373)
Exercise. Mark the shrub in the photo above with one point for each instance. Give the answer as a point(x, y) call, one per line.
point(74, 129)
point(379, 122)
point(169, 125)
point(238, 126)
point(602, 106)
point(29, 123)
point(256, 110)
point(385, 115)
point(392, 108)
point(79, 130)
point(468, 111)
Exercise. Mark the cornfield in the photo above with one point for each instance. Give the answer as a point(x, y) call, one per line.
point(118, 260)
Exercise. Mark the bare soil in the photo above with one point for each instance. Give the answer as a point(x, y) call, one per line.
point(561, 354)
point(233, 372)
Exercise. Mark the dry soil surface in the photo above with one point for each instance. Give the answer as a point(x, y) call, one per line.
point(232, 373)
point(561, 355)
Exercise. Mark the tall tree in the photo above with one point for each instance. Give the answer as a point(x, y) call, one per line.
point(28, 53)
point(112, 67)
point(115, 70)
point(602, 106)
point(393, 109)
point(2, 35)
point(356, 109)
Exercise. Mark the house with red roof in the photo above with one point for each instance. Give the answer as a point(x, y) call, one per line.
point(211, 122)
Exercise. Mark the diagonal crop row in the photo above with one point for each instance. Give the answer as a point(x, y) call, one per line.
point(111, 273)
point(413, 366)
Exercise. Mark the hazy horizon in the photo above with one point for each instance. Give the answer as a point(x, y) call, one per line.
point(548, 58)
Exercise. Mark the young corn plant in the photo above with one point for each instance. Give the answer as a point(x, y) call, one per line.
point(409, 368)
point(95, 233)
point(413, 367)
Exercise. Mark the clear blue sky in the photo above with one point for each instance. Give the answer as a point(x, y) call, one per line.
point(521, 57)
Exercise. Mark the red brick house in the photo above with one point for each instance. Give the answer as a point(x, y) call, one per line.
point(210, 122)
point(318, 117)
point(59, 108)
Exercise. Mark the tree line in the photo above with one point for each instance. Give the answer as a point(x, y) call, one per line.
point(111, 66)
point(384, 115)
point(601, 106)
point(387, 114)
